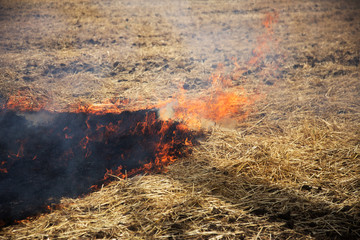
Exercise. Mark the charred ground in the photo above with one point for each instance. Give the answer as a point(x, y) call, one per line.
point(47, 156)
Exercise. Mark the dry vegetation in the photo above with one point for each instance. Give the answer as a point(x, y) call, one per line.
point(291, 170)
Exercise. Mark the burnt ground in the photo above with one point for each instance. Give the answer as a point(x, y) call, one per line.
point(290, 170)
point(50, 155)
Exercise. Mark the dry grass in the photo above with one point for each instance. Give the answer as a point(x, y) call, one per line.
point(289, 171)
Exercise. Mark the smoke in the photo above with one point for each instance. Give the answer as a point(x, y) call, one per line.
point(42, 118)
point(167, 112)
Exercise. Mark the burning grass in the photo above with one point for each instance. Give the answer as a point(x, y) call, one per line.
point(289, 169)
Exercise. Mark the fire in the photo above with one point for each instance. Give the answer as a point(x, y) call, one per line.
point(169, 144)
point(107, 106)
point(78, 152)
point(3, 169)
point(23, 100)
point(218, 104)
point(105, 130)
point(221, 102)
point(264, 39)
point(269, 21)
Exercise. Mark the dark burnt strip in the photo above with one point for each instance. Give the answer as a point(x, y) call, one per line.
point(46, 156)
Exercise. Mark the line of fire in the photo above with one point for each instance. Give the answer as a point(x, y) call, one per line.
point(48, 154)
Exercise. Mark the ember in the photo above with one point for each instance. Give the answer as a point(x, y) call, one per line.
point(47, 155)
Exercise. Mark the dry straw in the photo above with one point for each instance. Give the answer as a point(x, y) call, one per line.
point(291, 170)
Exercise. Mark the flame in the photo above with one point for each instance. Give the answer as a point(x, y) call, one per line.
point(20, 152)
point(264, 39)
point(24, 101)
point(2, 168)
point(67, 133)
point(222, 101)
point(166, 147)
point(269, 20)
point(115, 106)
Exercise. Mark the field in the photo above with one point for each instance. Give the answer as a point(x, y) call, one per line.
point(286, 167)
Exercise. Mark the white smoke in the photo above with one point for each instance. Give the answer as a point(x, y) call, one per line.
point(41, 118)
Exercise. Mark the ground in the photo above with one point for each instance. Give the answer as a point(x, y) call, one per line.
point(290, 169)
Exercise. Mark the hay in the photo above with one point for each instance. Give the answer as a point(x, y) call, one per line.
point(291, 170)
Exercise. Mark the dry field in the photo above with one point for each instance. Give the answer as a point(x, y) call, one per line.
point(289, 170)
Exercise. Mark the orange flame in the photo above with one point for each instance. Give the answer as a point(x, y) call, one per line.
point(222, 101)
point(3, 169)
point(107, 106)
point(23, 101)
point(165, 147)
